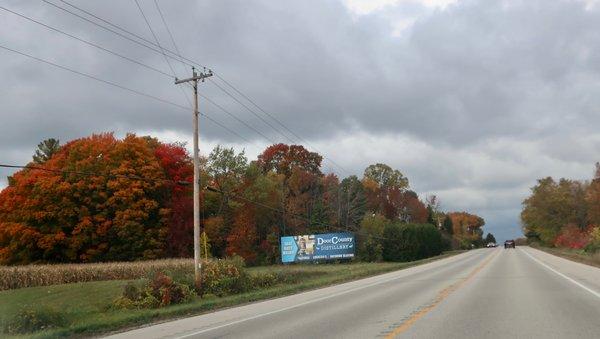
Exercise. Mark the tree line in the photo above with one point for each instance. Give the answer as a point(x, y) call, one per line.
point(100, 198)
point(564, 213)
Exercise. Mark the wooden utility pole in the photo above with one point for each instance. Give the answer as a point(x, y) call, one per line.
point(197, 265)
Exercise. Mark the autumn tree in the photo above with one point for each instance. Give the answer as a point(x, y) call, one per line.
point(178, 168)
point(114, 211)
point(284, 159)
point(593, 198)
point(384, 188)
point(553, 205)
point(242, 240)
point(301, 183)
point(467, 228)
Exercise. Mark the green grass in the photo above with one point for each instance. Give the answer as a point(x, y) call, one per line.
point(87, 306)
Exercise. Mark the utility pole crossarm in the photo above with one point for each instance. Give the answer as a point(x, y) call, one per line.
point(197, 77)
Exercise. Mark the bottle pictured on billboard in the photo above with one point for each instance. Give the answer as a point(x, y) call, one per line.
point(328, 246)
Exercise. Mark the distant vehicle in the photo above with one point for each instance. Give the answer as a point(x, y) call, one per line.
point(491, 244)
point(509, 244)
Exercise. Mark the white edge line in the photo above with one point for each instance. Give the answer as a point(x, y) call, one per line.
point(293, 306)
point(562, 275)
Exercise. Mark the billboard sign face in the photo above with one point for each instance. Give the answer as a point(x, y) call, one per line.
point(312, 247)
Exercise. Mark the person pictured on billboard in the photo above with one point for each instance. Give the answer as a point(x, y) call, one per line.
point(306, 245)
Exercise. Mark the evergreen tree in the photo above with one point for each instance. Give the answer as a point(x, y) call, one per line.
point(431, 216)
point(45, 150)
point(490, 238)
point(447, 226)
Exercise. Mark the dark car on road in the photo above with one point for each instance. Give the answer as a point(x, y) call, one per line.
point(509, 244)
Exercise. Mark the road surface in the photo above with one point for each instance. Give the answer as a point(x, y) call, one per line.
point(485, 293)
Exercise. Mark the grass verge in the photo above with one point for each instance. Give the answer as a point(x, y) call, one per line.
point(575, 255)
point(86, 307)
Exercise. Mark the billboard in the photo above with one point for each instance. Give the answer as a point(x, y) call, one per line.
point(312, 247)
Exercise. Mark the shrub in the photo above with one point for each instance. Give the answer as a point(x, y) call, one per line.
point(159, 292)
point(224, 276)
point(408, 242)
point(572, 237)
point(369, 239)
point(594, 241)
point(36, 318)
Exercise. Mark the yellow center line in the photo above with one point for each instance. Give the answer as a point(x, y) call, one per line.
point(441, 296)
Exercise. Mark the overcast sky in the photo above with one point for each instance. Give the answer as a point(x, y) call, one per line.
point(471, 100)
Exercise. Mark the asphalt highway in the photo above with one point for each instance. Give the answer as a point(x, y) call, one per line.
point(485, 293)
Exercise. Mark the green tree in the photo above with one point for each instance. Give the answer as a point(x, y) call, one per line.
point(353, 202)
point(407, 242)
point(447, 226)
point(490, 238)
point(431, 216)
point(45, 150)
point(370, 238)
point(385, 176)
point(553, 205)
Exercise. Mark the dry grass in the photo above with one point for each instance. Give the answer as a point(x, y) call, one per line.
point(592, 259)
point(12, 277)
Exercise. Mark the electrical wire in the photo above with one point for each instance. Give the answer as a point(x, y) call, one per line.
point(168, 31)
point(162, 51)
point(130, 90)
point(189, 62)
point(87, 42)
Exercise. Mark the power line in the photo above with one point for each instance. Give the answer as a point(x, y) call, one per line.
point(87, 42)
point(155, 37)
point(107, 82)
point(129, 59)
point(279, 122)
point(181, 58)
point(111, 30)
point(235, 117)
point(250, 110)
point(224, 127)
point(94, 78)
point(161, 72)
point(161, 49)
point(168, 31)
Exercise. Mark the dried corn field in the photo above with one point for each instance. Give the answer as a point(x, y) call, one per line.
point(12, 277)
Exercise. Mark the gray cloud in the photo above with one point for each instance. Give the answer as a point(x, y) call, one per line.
point(480, 97)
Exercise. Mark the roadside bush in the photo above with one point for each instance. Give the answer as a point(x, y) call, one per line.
point(408, 242)
point(225, 276)
point(571, 236)
point(594, 241)
point(159, 292)
point(369, 244)
point(35, 318)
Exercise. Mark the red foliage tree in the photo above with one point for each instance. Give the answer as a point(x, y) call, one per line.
point(283, 159)
point(178, 167)
point(573, 237)
point(242, 240)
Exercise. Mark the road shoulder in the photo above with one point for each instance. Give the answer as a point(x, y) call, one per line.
point(585, 275)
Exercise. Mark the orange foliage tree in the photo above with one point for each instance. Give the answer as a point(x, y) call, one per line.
point(97, 199)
